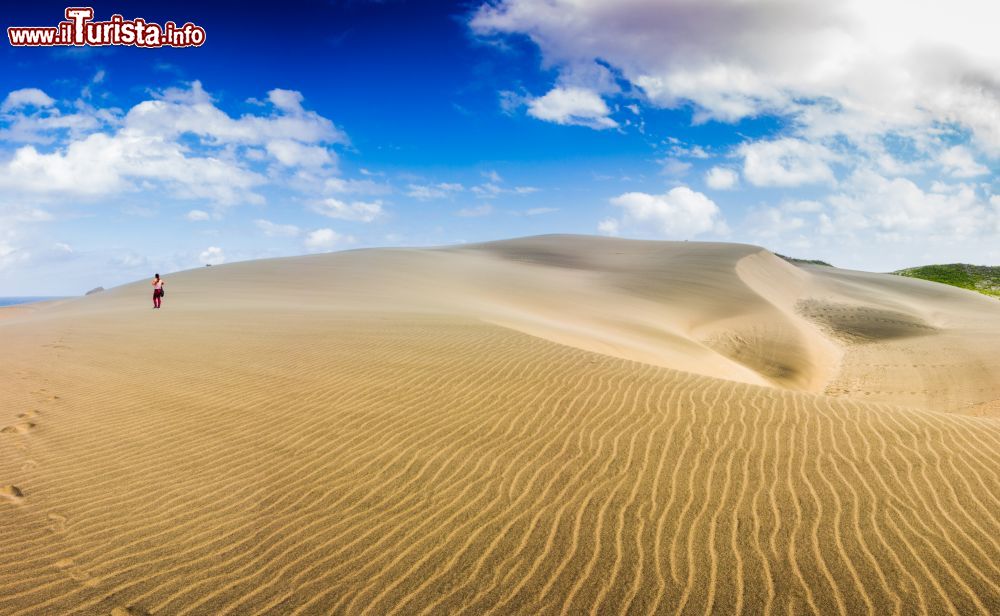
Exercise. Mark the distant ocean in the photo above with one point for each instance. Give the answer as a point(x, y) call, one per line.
point(10, 301)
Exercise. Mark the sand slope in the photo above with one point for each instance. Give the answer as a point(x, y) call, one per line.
point(545, 425)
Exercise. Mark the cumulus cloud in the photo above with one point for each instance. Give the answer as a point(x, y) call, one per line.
point(572, 105)
point(102, 164)
point(289, 101)
point(213, 255)
point(32, 116)
point(721, 178)
point(850, 66)
point(883, 108)
point(294, 154)
point(898, 206)
point(26, 97)
point(178, 143)
point(197, 215)
point(609, 226)
point(177, 111)
point(959, 162)
point(679, 213)
point(325, 239)
point(786, 162)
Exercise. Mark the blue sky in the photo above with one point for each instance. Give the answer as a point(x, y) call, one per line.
point(866, 137)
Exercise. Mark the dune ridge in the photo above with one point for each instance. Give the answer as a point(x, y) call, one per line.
point(544, 425)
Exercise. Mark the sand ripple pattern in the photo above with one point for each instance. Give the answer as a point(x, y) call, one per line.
point(368, 464)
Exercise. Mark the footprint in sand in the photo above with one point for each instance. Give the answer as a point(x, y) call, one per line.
point(11, 493)
point(58, 524)
point(21, 427)
point(77, 573)
point(65, 563)
point(27, 415)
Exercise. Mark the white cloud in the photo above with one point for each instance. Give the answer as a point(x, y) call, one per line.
point(294, 154)
point(178, 144)
point(851, 66)
point(271, 229)
point(197, 215)
point(884, 106)
point(104, 164)
point(959, 163)
point(325, 239)
point(721, 178)
point(360, 211)
point(679, 213)
point(192, 111)
point(898, 206)
point(212, 255)
point(358, 187)
point(678, 149)
point(474, 212)
point(572, 105)
point(786, 162)
point(31, 116)
point(609, 226)
point(26, 97)
point(511, 101)
point(288, 101)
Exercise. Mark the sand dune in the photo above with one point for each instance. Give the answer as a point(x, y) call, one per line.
point(544, 425)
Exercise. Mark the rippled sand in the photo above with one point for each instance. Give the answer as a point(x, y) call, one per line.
point(546, 425)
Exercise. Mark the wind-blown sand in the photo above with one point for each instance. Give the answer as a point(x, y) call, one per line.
point(545, 425)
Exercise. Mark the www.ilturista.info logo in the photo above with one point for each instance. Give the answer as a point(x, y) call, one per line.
point(79, 29)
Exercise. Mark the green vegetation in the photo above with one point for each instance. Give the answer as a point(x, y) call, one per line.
point(982, 278)
point(809, 261)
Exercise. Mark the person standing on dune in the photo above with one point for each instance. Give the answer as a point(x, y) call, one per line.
point(157, 291)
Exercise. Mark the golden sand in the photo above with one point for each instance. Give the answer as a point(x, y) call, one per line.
point(547, 425)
